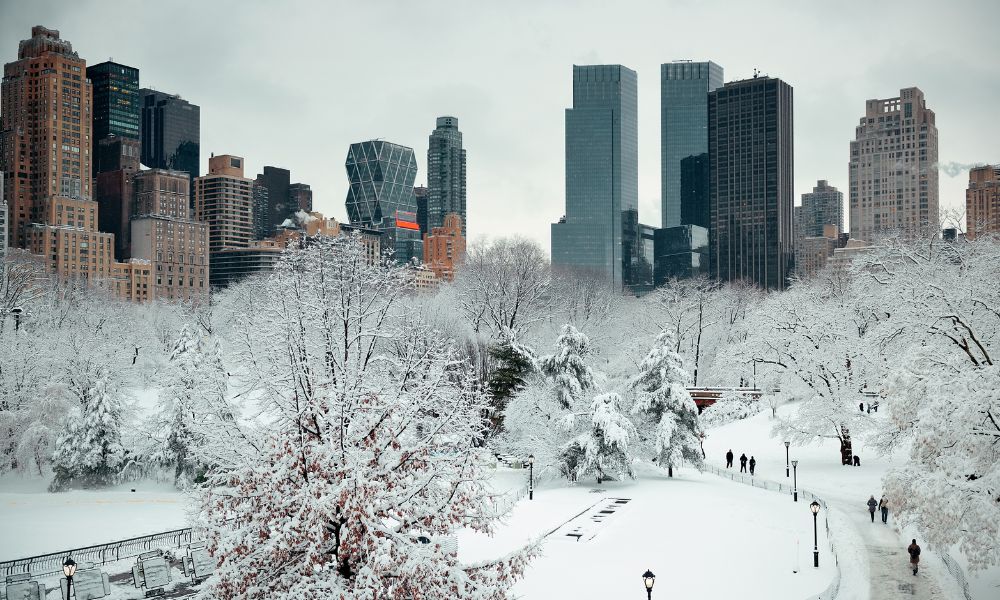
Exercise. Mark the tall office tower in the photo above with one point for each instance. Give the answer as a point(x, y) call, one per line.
point(444, 248)
point(982, 202)
point(599, 233)
point(171, 132)
point(421, 195)
point(821, 207)
point(445, 173)
point(750, 177)
point(684, 88)
point(381, 195)
point(277, 181)
point(113, 153)
point(224, 201)
point(893, 168)
point(694, 190)
point(261, 202)
point(116, 103)
point(300, 197)
point(165, 235)
point(117, 160)
point(45, 129)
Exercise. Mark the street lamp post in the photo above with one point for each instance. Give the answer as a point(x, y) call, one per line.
point(69, 569)
point(814, 507)
point(648, 579)
point(795, 481)
point(787, 444)
point(16, 311)
point(531, 477)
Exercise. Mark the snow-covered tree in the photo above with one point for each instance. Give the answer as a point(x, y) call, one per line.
point(366, 448)
point(606, 448)
point(731, 407)
point(567, 367)
point(89, 452)
point(667, 415)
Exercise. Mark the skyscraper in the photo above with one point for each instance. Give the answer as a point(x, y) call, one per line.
point(445, 173)
point(600, 232)
point(171, 132)
point(750, 178)
point(116, 103)
point(982, 202)
point(893, 168)
point(694, 190)
point(684, 88)
point(823, 206)
point(444, 248)
point(381, 195)
point(276, 180)
point(223, 199)
point(421, 194)
point(300, 197)
point(45, 129)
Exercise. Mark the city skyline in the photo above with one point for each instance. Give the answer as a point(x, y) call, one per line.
point(501, 91)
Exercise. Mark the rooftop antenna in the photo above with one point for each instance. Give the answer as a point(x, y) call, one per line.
point(755, 73)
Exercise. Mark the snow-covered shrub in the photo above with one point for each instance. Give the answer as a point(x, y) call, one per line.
point(731, 407)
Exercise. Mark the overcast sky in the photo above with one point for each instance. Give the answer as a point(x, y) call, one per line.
point(292, 84)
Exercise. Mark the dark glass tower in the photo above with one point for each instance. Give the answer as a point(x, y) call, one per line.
point(694, 192)
point(381, 195)
point(445, 173)
point(751, 174)
point(171, 132)
point(116, 103)
point(421, 195)
point(684, 88)
point(600, 231)
point(276, 181)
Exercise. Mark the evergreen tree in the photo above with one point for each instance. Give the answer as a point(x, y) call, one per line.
point(567, 369)
point(513, 364)
point(89, 452)
point(606, 445)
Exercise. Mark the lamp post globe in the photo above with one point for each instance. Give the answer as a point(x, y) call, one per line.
point(69, 569)
point(787, 444)
point(795, 480)
point(814, 507)
point(16, 311)
point(531, 477)
point(648, 579)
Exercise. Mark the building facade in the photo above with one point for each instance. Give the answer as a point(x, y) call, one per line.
point(381, 196)
point(684, 88)
point(4, 231)
point(45, 129)
point(445, 174)
point(812, 252)
point(116, 107)
point(68, 238)
point(982, 202)
point(679, 252)
point(750, 179)
point(300, 197)
point(444, 248)
point(893, 168)
point(171, 132)
point(224, 201)
point(821, 207)
point(694, 191)
point(599, 234)
point(421, 195)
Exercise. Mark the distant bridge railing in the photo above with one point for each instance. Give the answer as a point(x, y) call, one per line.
point(50, 564)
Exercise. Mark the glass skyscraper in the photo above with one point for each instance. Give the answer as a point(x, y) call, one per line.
point(684, 88)
point(600, 232)
point(116, 103)
point(445, 173)
point(381, 195)
point(171, 132)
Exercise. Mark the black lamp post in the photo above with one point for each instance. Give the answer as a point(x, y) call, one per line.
point(531, 477)
point(787, 444)
point(814, 507)
point(69, 569)
point(648, 579)
point(16, 311)
point(795, 481)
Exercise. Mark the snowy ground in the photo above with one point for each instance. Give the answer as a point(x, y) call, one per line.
point(847, 489)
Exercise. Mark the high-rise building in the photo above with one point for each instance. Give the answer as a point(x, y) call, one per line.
point(45, 129)
point(164, 235)
point(113, 153)
point(276, 181)
point(113, 192)
point(694, 191)
point(679, 253)
point(171, 132)
point(982, 202)
point(893, 168)
point(300, 197)
point(223, 199)
point(444, 248)
point(750, 178)
point(445, 173)
point(821, 207)
point(599, 233)
point(381, 195)
point(421, 194)
point(68, 238)
point(684, 88)
point(116, 103)
point(813, 251)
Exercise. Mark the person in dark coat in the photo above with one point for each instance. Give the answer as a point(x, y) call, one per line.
point(883, 505)
point(872, 505)
point(914, 551)
point(861, 406)
point(857, 460)
point(729, 459)
point(743, 463)
point(753, 464)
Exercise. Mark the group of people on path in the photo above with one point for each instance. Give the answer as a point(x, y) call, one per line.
point(883, 505)
point(743, 462)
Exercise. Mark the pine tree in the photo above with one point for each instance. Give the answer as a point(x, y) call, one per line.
point(606, 446)
point(567, 368)
point(668, 415)
point(90, 453)
point(513, 364)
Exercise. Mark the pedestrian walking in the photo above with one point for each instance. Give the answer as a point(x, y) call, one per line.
point(861, 406)
point(753, 463)
point(729, 458)
point(883, 505)
point(869, 409)
point(743, 463)
point(872, 505)
point(857, 460)
point(875, 406)
point(914, 551)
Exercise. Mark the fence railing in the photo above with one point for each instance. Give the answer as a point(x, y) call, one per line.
point(957, 573)
point(831, 590)
point(50, 564)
